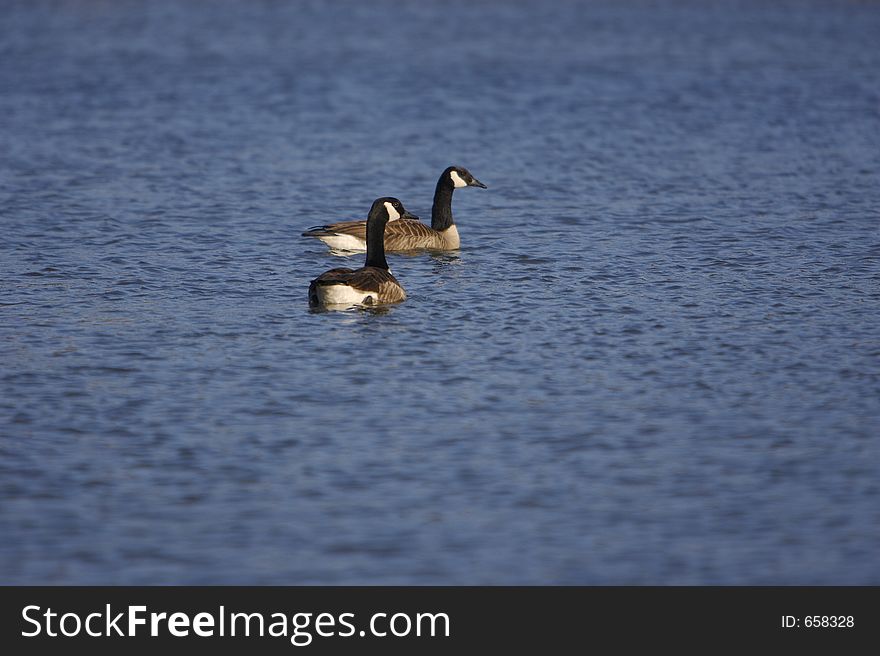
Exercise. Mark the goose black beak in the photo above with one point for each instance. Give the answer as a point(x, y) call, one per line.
point(409, 215)
point(477, 183)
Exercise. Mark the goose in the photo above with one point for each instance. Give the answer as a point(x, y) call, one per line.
point(407, 234)
point(373, 282)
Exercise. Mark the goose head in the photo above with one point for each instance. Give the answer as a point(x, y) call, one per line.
point(389, 208)
point(461, 177)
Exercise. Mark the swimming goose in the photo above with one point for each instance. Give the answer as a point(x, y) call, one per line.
point(407, 234)
point(372, 283)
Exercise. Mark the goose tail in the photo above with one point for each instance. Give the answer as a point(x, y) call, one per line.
point(319, 231)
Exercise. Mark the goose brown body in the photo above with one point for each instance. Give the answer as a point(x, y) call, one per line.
point(401, 235)
point(368, 285)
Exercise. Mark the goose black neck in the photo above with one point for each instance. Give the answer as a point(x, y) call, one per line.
point(376, 242)
point(441, 210)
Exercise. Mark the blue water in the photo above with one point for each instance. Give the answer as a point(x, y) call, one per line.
point(655, 359)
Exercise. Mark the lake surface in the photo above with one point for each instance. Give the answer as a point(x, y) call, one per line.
point(654, 360)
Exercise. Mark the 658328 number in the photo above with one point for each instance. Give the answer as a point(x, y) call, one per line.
point(828, 621)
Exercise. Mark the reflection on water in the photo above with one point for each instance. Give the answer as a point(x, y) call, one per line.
point(354, 307)
point(653, 360)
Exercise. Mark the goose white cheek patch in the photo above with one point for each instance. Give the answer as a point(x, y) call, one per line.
point(457, 180)
point(393, 214)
